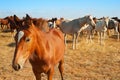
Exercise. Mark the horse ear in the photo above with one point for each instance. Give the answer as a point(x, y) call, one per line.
point(28, 19)
point(27, 16)
point(16, 18)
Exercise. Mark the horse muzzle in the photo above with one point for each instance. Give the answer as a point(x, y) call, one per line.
point(16, 67)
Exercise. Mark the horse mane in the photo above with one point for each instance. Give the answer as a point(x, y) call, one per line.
point(41, 23)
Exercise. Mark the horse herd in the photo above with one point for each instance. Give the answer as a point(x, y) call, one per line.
point(38, 39)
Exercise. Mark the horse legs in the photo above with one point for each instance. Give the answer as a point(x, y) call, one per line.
point(116, 30)
point(100, 33)
point(37, 75)
point(50, 73)
point(65, 41)
point(103, 38)
point(2, 26)
point(61, 68)
point(89, 37)
point(76, 39)
point(74, 42)
point(108, 32)
point(118, 36)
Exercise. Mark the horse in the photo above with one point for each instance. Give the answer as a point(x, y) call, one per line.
point(101, 27)
point(73, 27)
point(4, 22)
point(118, 20)
point(89, 29)
point(13, 25)
point(18, 22)
point(113, 24)
point(41, 48)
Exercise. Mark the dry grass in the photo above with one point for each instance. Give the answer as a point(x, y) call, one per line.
point(90, 61)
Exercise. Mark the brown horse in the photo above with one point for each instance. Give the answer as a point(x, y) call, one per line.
point(41, 48)
point(18, 22)
point(13, 25)
point(4, 22)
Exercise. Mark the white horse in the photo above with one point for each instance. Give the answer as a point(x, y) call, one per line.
point(101, 28)
point(74, 27)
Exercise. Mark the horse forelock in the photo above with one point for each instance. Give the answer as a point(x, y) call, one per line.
point(20, 35)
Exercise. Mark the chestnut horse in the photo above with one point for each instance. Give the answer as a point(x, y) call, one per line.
point(4, 22)
point(41, 48)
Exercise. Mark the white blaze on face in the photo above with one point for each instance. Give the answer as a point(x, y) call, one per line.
point(20, 35)
point(54, 24)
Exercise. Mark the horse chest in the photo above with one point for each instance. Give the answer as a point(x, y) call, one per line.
point(41, 65)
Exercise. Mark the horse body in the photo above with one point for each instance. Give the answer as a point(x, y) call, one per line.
point(13, 25)
point(4, 22)
point(101, 27)
point(118, 20)
point(114, 25)
point(47, 53)
point(41, 48)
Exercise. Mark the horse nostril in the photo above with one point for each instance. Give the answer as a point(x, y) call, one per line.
point(16, 67)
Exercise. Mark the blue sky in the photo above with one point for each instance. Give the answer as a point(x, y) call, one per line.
point(60, 8)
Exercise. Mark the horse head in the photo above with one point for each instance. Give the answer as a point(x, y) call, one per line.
point(24, 44)
point(90, 21)
point(106, 21)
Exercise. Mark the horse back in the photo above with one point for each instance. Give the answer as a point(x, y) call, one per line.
point(57, 42)
point(57, 33)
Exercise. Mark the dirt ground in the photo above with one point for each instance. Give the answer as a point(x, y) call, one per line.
point(91, 61)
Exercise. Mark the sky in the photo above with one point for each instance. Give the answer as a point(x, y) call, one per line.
point(60, 8)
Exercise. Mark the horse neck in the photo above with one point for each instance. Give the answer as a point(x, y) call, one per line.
point(82, 21)
point(40, 39)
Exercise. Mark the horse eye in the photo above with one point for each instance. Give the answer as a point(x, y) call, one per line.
point(27, 39)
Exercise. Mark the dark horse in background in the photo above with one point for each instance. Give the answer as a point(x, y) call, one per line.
point(118, 20)
point(40, 47)
point(114, 23)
